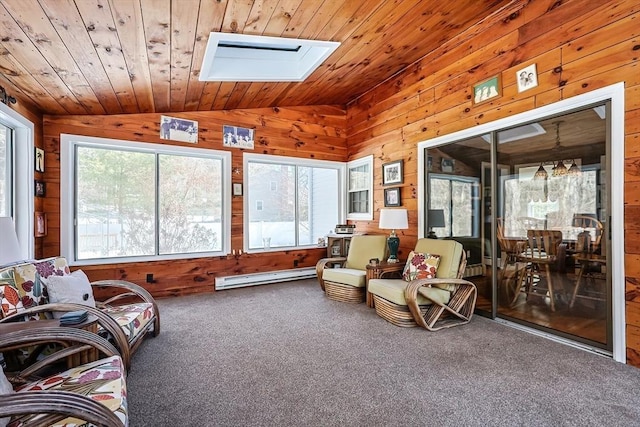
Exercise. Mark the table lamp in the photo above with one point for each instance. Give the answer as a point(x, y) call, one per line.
point(393, 219)
point(9, 247)
point(435, 218)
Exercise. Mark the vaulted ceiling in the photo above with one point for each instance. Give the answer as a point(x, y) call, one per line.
point(133, 56)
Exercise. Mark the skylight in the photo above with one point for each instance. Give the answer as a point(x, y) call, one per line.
point(247, 58)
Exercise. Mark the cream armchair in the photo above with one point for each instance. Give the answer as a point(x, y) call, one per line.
point(348, 284)
point(441, 302)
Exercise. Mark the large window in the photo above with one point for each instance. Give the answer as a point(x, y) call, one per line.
point(133, 200)
point(457, 197)
point(360, 189)
point(305, 207)
point(6, 171)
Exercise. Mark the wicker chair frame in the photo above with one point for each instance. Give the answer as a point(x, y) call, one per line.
point(43, 408)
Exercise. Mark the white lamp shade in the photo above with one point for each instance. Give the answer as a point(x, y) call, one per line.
point(393, 219)
point(9, 247)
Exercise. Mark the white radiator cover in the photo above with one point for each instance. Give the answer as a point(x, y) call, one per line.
point(253, 279)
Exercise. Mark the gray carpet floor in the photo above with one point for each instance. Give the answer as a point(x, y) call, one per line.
point(285, 355)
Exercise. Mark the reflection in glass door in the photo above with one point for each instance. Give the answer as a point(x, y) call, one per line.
point(553, 271)
point(532, 213)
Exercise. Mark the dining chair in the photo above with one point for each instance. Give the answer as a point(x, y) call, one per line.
point(540, 254)
point(511, 268)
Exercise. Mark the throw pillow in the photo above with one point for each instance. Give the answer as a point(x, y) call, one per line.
point(70, 288)
point(5, 388)
point(420, 266)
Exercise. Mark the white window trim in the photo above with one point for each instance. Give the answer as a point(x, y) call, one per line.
point(615, 93)
point(67, 196)
point(295, 161)
point(367, 160)
point(23, 204)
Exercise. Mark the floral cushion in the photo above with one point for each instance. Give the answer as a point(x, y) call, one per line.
point(131, 317)
point(420, 266)
point(102, 381)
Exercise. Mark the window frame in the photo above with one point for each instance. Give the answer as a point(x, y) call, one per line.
point(475, 202)
point(23, 177)
point(68, 144)
point(360, 216)
point(290, 161)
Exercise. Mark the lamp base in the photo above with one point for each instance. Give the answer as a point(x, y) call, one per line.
point(393, 242)
point(432, 235)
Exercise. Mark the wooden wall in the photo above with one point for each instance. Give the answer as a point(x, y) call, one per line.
point(577, 46)
point(309, 132)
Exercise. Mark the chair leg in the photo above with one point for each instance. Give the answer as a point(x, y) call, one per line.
point(550, 287)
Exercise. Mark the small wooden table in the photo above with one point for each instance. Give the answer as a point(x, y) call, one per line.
point(379, 271)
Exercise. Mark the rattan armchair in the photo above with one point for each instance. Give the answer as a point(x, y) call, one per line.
point(348, 283)
point(65, 396)
point(441, 302)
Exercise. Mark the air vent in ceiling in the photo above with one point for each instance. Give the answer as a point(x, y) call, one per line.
point(246, 58)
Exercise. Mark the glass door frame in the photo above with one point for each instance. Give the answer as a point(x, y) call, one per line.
point(613, 93)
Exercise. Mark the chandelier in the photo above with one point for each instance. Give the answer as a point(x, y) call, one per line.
point(559, 168)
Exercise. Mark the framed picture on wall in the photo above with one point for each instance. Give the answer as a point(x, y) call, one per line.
point(392, 196)
point(40, 227)
point(39, 160)
point(392, 173)
point(527, 78)
point(487, 90)
point(40, 188)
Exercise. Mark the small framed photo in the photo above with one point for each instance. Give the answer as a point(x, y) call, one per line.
point(429, 163)
point(39, 160)
point(40, 228)
point(527, 78)
point(392, 196)
point(447, 165)
point(392, 173)
point(40, 188)
point(237, 189)
point(487, 90)
point(237, 137)
point(176, 129)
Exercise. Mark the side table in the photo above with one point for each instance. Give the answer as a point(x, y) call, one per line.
point(382, 270)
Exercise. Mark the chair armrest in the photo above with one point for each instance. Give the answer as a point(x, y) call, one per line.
point(461, 303)
point(104, 320)
point(326, 262)
point(72, 341)
point(133, 290)
point(60, 405)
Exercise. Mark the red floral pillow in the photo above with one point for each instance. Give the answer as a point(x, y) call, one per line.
point(420, 266)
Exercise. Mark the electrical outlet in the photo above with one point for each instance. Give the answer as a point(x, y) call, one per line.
point(295, 262)
point(150, 278)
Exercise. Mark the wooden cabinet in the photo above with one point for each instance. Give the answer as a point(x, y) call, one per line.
point(338, 244)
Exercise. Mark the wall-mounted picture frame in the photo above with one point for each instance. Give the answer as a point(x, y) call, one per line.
point(487, 90)
point(392, 173)
point(237, 137)
point(40, 225)
point(39, 160)
point(176, 129)
point(527, 78)
point(40, 188)
point(237, 189)
point(429, 163)
point(447, 165)
point(392, 196)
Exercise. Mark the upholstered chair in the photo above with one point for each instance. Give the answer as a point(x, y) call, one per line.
point(344, 279)
point(431, 302)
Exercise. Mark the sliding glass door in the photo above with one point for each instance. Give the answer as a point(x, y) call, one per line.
point(530, 205)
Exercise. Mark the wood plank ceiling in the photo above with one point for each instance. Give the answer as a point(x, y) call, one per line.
point(136, 56)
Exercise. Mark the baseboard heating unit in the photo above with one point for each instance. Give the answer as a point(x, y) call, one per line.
point(253, 279)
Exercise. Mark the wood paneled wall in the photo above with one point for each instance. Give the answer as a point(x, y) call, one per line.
point(308, 132)
point(577, 46)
